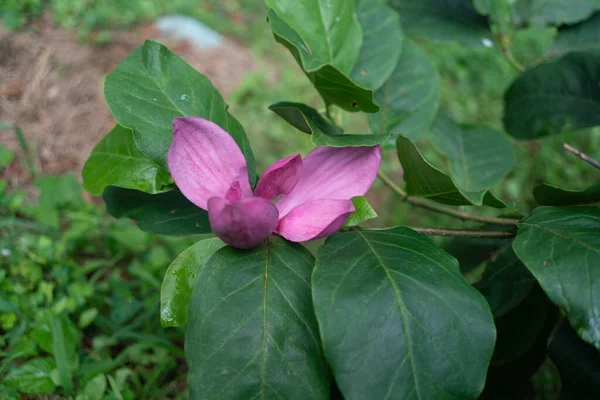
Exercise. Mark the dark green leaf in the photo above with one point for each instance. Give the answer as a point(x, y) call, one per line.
point(33, 376)
point(547, 195)
point(167, 213)
point(386, 302)
point(471, 252)
point(584, 37)
point(63, 348)
point(479, 156)
point(424, 180)
point(116, 161)
point(554, 12)
point(444, 21)
point(555, 97)
point(363, 212)
point(381, 46)
point(328, 27)
point(324, 133)
point(251, 328)
point(180, 279)
point(409, 98)
point(333, 85)
point(561, 248)
point(151, 87)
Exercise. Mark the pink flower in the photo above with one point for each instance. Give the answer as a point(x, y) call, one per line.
point(314, 194)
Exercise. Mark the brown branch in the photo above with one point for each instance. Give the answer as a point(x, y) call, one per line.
point(464, 233)
point(581, 155)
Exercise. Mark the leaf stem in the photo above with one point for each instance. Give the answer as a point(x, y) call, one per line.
point(429, 205)
point(581, 155)
point(505, 45)
point(464, 233)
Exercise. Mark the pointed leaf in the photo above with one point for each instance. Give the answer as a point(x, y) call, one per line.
point(333, 85)
point(324, 133)
point(444, 21)
point(424, 180)
point(409, 98)
point(555, 97)
point(116, 161)
point(386, 301)
point(363, 212)
point(561, 248)
point(167, 213)
point(479, 156)
point(251, 328)
point(180, 280)
point(547, 195)
point(151, 87)
point(381, 46)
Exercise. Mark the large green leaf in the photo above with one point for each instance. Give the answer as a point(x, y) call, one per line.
point(151, 87)
point(389, 303)
point(167, 213)
point(584, 37)
point(547, 195)
point(561, 248)
point(328, 27)
point(555, 97)
point(333, 85)
point(251, 328)
point(409, 99)
point(323, 132)
point(33, 377)
point(425, 180)
point(382, 43)
point(553, 12)
point(479, 156)
point(116, 161)
point(180, 279)
point(444, 21)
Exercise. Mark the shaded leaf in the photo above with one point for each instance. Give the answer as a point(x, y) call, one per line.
point(385, 301)
point(424, 180)
point(554, 12)
point(362, 212)
point(167, 213)
point(409, 98)
point(251, 328)
point(554, 97)
point(180, 279)
point(444, 21)
point(116, 161)
point(151, 87)
point(33, 376)
point(584, 37)
point(323, 132)
point(480, 157)
point(561, 248)
point(471, 252)
point(547, 195)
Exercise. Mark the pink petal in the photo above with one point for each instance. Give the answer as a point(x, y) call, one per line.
point(243, 224)
point(333, 173)
point(279, 178)
point(205, 161)
point(314, 220)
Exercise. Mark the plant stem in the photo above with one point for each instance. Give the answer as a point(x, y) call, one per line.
point(581, 155)
point(505, 45)
point(464, 233)
point(429, 205)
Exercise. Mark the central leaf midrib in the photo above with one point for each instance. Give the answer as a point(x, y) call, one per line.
point(264, 333)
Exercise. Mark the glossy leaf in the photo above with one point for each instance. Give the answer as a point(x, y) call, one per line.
point(480, 157)
point(584, 37)
point(425, 180)
point(328, 27)
point(33, 376)
point(409, 98)
point(561, 248)
point(322, 131)
point(251, 328)
point(333, 85)
point(167, 213)
point(381, 46)
point(180, 280)
point(555, 97)
point(444, 21)
point(386, 301)
point(362, 212)
point(116, 161)
point(151, 87)
point(547, 195)
point(554, 12)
